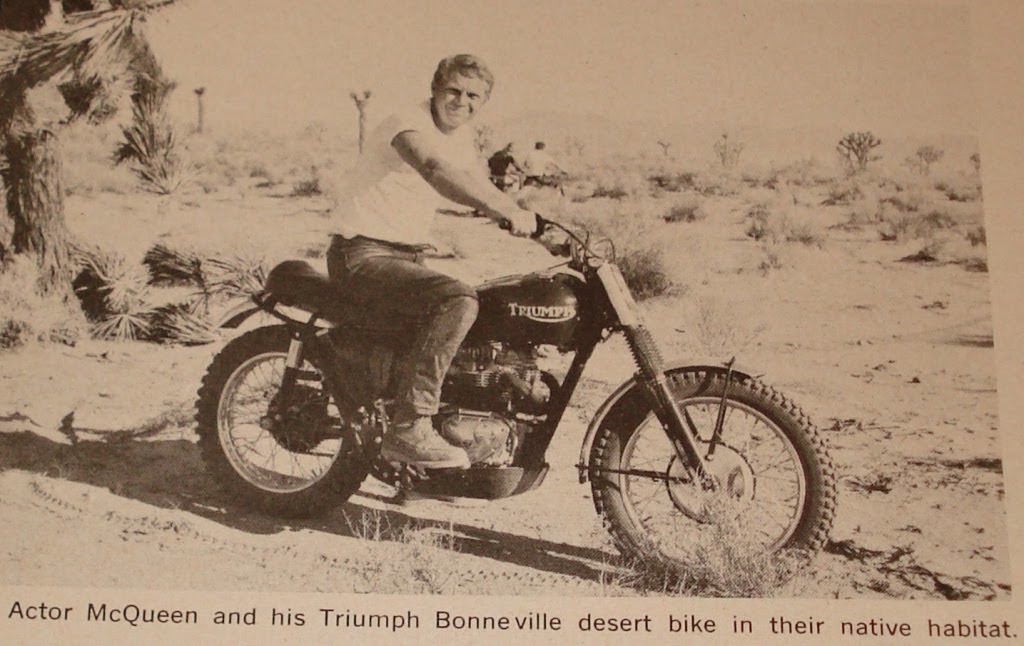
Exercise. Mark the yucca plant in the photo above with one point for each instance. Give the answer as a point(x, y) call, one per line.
point(187, 323)
point(237, 275)
point(174, 267)
point(114, 295)
point(151, 147)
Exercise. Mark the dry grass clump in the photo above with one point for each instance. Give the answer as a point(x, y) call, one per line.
point(28, 317)
point(685, 209)
point(416, 560)
point(719, 328)
point(726, 561)
point(674, 182)
point(777, 225)
point(718, 183)
point(616, 184)
point(959, 188)
point(901, 227)
point(844, 191)
point(729, 562)
point(976, 236)
point(308, 187)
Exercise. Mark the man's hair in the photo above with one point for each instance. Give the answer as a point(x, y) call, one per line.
point(539, 145)
point(465, 64)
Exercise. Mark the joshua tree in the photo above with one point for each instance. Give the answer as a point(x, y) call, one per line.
point(665, 145)
point(361, 102)
point(925, 156)
point(728, 152)
point(95, 44)
point(855, 150)
point(199, 108)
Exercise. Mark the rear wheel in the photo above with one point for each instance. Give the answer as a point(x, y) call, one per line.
point(297, 465)
point(774, 480)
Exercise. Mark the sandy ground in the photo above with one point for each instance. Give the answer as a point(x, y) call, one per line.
point(102, 485)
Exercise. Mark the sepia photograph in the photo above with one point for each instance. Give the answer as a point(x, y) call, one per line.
point(575, 299)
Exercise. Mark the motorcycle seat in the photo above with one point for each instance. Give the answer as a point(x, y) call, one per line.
point(297, 284)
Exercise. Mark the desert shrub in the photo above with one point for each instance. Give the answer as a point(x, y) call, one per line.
point(861, 212)
point(686, 209)
point(757, 222)
point(618, 184)
point(913, 226)
point(307, 188)
point(718, 184)
point(959, 189)
point(767, 179)
point(28, 317)
point(725, 561)
point(674, 182)
point(781, 225)
point(257, 170)
point(905, 202)
point(976, 236)
point(645, 273)
point(804, 173)
point(843, 192)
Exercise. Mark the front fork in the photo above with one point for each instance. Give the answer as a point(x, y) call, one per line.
point(678, 425)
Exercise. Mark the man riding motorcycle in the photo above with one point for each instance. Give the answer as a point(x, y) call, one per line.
point(411, 162)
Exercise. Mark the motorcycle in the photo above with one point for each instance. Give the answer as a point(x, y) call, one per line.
point(291, 415)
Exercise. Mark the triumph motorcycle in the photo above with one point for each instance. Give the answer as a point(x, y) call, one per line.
point(291, 415)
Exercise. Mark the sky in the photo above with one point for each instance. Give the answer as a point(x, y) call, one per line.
point(894, 66)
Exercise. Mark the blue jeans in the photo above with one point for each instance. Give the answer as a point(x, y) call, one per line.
point(391, 285)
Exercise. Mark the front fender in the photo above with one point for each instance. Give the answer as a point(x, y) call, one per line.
point(630, 394)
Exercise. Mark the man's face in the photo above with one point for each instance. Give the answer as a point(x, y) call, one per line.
point(457, 100)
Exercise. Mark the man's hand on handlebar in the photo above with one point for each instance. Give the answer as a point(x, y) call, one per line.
point(521, 223)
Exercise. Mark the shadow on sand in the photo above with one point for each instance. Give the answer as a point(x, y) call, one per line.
point(170, 474)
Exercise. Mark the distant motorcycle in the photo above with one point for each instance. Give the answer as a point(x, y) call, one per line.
point(291, 416)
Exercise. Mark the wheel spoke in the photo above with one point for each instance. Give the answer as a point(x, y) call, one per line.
point(755, 461)
point(260, 456)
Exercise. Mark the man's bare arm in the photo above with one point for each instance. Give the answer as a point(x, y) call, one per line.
point(454, 183)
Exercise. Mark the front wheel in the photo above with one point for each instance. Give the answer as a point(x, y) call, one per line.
point(296, 465)
point(773, 480)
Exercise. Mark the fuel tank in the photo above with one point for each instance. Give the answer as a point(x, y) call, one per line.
point(530, 309)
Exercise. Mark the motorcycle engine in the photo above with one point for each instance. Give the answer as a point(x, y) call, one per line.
point(493, 395)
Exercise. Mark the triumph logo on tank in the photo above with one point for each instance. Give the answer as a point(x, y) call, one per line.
point(543, 313)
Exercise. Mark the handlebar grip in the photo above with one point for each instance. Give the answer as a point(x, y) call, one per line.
point(542, 226)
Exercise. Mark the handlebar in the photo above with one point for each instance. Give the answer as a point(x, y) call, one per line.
point(542, 226)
